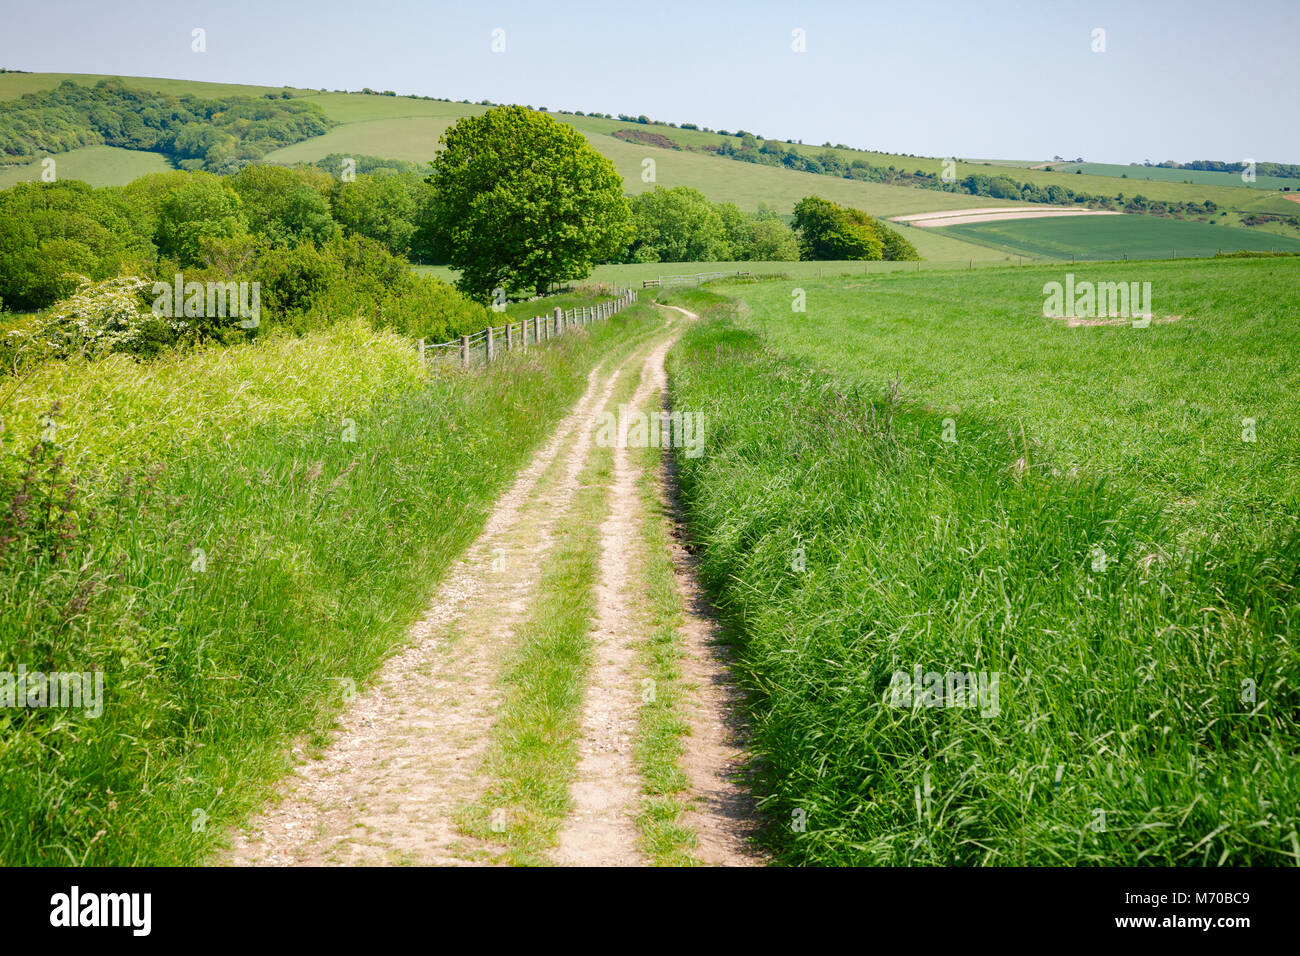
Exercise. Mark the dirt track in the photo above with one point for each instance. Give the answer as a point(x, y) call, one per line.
point(408, 753)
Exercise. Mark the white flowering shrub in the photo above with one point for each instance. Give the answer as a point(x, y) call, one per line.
point(112, 315)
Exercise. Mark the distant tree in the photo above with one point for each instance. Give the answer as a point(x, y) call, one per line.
point(772, 240)
point(677, 225)
point(829, 231)
point(521, 200)
point(204, 207)
point(279, 205)
point(380, 207)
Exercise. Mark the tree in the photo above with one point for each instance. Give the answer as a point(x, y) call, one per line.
point(200, 209)
point(521, 201)
point(737, 232)
point(827, 232)
point(280, 205)
point(380, 207)
point(678, 225)
point(771, 240)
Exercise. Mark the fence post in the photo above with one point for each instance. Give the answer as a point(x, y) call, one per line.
point(464, 351)
point(523, 335)
point(510, 337)
point(488, 343)
point(559, 320)
point(422, 365)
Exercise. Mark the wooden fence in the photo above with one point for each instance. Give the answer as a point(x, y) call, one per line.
point(693, 279)
point(493, 342)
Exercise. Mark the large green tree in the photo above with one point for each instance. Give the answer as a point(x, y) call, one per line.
point(52, 232)
point(204, 207)
point(678, 225)
point(829, 231)
point(521, 201)
point(280, 205)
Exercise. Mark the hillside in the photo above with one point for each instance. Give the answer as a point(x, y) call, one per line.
point(408, 128)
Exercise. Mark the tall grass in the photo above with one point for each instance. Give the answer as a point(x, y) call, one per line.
point(1148, 710)
point(240, 576)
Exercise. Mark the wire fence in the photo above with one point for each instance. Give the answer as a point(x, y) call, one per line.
point(493, 343)
point(694, 278)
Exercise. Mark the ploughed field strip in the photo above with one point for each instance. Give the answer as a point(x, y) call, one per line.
point(957, 217)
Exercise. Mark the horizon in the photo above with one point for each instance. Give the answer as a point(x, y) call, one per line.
point(1160, 65)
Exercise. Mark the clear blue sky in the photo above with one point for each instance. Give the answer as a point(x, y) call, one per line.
point(998, 79)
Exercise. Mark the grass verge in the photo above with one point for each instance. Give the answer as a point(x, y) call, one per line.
point(1145, 710)
point(661, 724)
point(235, 593)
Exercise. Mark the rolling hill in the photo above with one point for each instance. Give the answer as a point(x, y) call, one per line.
point(408, 128)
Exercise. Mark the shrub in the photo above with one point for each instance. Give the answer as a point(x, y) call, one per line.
point(102, 317)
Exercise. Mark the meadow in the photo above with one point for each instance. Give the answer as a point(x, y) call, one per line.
point(1116, 237)
point(921, 471)
point(97, 165)
point(1164, 174)
point(237, 557)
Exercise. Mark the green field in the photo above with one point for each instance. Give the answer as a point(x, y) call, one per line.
point(1115, 237)
point(1166, 175)
point(1226, 196)
point(97, 165)
point(922, 471)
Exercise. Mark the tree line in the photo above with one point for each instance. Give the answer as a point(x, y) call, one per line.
point(218, 134)
point(750, 149)
point(515, 202)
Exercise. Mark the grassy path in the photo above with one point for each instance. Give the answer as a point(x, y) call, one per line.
point(559, 702)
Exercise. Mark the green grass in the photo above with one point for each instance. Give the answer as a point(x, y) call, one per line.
point(117, 413)
point(97, 165)
point(1128, 731)
point(411, 138)
point(1114, 237)
point(318, 552)
point(535, 748)
point(1198, 176)
point(661, 723)
point(534, 753)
